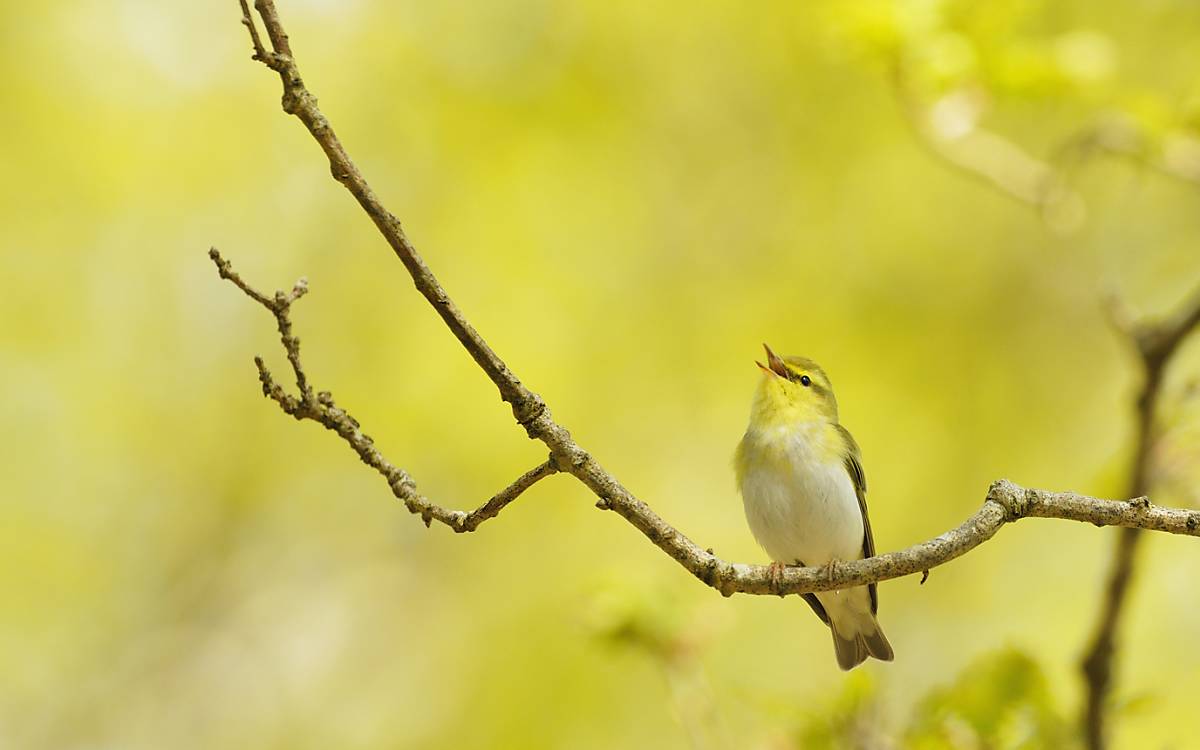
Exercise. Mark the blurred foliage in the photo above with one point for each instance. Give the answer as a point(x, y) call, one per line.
point(656, 626)
point(850, 722)
point(626, 198)
point(1003, 46)
point(1000, 701)
point(964, 57)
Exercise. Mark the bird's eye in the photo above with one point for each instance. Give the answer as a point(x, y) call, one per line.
point(805, 381)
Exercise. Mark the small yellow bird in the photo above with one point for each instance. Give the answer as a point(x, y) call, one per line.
point(805, 495)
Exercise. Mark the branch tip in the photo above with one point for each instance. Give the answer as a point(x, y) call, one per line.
point(260, 53)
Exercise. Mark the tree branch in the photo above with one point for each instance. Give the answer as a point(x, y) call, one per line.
point(1005, 502)
point(1155, 343)
point(322, 409)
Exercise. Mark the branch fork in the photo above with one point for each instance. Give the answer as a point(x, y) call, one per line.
point(1155, 343)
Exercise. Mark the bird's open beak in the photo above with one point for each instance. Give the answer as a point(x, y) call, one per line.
point(774, 364)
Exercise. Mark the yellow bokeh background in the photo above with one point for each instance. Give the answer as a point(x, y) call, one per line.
point(626, 199)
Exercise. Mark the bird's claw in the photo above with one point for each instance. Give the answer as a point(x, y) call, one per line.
point(775, 569)
point(830, 569)
point(775, 572)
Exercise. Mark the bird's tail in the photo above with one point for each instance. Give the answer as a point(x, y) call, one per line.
point(857, 635)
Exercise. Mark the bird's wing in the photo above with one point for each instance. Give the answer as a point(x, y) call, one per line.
point(859, 478)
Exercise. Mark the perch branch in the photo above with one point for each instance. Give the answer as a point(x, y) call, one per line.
point(1155, 343)
point(1005, 502)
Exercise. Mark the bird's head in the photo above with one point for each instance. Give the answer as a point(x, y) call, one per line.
point(793, 389)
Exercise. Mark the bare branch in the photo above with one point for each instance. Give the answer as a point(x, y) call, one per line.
point(260, 52)
point(298, 101)
point(225, 269)
point(948, 129)
point(321, 408)
point(1005, 503)
point(500, 500)
point(1155, 343)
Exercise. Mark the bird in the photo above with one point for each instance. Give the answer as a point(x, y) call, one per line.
point(805, 495)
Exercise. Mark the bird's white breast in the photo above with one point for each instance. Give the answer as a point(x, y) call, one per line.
point(800, 506)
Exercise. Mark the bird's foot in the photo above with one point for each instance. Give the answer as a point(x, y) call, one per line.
point(775, 572)
point(830, 569)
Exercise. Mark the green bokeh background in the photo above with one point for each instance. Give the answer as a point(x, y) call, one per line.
point(626, 199)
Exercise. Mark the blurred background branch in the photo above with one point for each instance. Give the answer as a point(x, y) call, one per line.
point(950, 131)
point(945, 85)
point(1155, 343)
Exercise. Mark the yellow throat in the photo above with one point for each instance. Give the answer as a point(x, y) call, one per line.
point(794, 396)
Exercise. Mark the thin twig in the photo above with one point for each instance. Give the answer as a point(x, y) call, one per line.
point(1155, 344)
point(322, 409)
point(260, 52)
